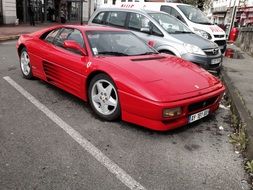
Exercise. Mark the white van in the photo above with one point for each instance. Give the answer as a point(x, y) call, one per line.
point(193, 17)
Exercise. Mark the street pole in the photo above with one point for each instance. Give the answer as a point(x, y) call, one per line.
point(81, 14)
point(232, 18)
point(89, 11)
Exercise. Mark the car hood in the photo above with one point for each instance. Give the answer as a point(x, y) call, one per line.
point(163, 77)
point(196, 40)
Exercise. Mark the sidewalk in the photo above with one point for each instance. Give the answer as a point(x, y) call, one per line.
point(238, 77)
point(237, 74)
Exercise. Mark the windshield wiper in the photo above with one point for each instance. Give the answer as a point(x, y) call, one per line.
point(207, 23)
point(182, 32)
point(112, 53)
point(148, 53)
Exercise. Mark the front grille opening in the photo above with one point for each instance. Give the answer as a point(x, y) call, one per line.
point(212, 51)
point(220, 42)
point(202, 104)
point(219, 36)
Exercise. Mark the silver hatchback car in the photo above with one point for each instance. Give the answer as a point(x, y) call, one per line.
point(166, 33)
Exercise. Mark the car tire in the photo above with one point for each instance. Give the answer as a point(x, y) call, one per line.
point(25, 64)
point(103, 97)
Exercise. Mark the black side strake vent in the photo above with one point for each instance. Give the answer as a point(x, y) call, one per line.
point(148, 58)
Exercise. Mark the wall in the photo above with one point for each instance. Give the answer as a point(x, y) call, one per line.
point(9, 11)
point(86, 10)
point(244, 40)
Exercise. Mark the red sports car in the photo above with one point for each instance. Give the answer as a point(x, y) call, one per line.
point(120, 76)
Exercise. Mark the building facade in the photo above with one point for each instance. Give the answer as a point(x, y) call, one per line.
point(222, 12)
point(23, 11)
point(1, 12)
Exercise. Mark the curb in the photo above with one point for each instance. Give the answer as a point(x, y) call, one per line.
point(11, 37)
point(241, 111)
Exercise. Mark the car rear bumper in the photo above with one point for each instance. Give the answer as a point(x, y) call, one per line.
point(148, 114)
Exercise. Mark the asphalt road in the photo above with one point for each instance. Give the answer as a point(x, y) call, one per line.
point(36, 153)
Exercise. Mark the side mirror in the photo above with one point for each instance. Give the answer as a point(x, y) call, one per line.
point(145, 30)
point(71, 44)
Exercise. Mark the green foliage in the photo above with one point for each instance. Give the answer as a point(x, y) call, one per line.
point(235, 122)
point(249, 166)
point(239, 139)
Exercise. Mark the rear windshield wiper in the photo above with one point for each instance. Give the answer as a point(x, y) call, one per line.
point(112, 53)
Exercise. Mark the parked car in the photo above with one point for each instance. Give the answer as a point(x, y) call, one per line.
point(192, 16)
point(120, 76)
point(169, 34)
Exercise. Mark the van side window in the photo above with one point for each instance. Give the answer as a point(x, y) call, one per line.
point(176, 14)
point(137, 21)
point(116, 18)
point(166, 9)
point(99, 18)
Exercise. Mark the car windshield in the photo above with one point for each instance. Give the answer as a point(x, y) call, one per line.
point(194, 14)
point(111, 43)
point(171, 24)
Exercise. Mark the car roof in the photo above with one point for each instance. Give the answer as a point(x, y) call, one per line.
point(89, 27)
point(136, 10)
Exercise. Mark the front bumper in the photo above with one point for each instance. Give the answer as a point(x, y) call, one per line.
point(148, 113)
point(205, 61)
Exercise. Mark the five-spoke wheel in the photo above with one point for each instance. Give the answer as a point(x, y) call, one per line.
point(103, 97)
point(25, 64)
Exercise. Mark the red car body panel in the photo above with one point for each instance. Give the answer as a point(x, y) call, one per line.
point(146, 84)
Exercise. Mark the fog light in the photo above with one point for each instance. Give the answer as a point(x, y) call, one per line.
point(172, 112)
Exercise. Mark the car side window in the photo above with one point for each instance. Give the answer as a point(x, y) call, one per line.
point(138, 21)
point(49, 37)
point(59, 39)
point(116, 18)
point(69, 34)
point(99, 18)
point(176, 14)
point(76, 35)
point(156, 31)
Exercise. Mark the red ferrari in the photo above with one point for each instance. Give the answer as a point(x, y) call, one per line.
point(120, 76)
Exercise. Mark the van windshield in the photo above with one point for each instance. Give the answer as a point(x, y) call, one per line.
point(171, 24)
point(194, 14)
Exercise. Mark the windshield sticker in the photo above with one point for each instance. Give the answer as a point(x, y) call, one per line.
point(95, 51)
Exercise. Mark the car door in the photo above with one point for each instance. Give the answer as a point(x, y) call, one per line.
point(63, 67)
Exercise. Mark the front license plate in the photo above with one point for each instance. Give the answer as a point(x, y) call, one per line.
point(215, 61)
point(199, 115)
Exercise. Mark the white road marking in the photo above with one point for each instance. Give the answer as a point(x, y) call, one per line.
point(89, 147)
